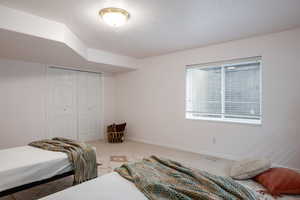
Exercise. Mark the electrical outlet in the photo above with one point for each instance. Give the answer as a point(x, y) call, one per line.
point(214, 140)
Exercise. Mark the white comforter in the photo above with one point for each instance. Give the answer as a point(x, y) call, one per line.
point(22, 165)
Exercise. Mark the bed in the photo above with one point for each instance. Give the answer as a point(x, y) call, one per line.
point(109, 187)
point(113, 186)
point(26, 166)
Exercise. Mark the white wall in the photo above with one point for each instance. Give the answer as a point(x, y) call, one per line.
point(109, 101)
point(152, 101)
point(23, 92)
point(22, 102)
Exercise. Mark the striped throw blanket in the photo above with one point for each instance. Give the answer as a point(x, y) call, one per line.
point(162, 179)
point(81, 155)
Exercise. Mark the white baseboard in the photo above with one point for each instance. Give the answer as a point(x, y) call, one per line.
point(90, 138)
point(281, 166)
point(204, 152)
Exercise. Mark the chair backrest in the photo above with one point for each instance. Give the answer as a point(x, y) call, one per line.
point(120, 127)
point(111, 128)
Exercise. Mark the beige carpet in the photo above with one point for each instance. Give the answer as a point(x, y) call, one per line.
point(114, 155)
point(133, 151)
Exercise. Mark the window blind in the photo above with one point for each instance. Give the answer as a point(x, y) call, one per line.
point(226, 90)
point(242, 91)
point(204, 92)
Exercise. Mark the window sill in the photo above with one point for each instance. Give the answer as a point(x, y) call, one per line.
point(238, 121)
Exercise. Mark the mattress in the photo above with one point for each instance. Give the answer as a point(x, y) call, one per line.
point(109, 187)
point(26, 164)
point(112, 187)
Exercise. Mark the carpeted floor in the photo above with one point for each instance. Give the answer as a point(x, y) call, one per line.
point(113, 155)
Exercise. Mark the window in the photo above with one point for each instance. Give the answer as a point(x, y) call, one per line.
point(225, 91)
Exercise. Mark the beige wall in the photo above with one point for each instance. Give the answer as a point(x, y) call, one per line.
point(23, 93)
point(152, 101)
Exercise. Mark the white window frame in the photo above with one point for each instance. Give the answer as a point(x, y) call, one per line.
point(224, 64)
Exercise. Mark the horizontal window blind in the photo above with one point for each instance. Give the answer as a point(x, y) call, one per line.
point(229, 90)
point(204, 92)
point(242, 91)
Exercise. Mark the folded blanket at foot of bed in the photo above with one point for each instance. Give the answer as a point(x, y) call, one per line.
point(161, 179)
point(81, 155)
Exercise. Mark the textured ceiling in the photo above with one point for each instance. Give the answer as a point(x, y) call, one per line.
point(162, 26)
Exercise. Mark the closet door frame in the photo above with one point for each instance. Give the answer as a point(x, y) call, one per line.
point(100, 105)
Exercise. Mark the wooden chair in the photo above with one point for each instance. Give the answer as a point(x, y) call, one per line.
point(115, 133)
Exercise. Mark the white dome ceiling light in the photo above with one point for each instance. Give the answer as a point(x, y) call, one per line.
point(114, 16)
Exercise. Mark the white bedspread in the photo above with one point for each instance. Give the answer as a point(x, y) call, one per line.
point(108, 187)
point(22, 165)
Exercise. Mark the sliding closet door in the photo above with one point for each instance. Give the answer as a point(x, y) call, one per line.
point(89, 106)
point(62, 105)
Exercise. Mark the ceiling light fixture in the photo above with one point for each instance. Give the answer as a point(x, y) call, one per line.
point(114, 16)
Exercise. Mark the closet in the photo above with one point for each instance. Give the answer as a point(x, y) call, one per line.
point(74, 104)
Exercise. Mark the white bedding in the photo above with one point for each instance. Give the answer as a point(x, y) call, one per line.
point(114, 187)
point(22, 165)
point(108, 187)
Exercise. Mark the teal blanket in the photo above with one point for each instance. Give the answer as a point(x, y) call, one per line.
point(162, 179)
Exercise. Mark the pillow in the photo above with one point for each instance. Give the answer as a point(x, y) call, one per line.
point(279, 181)
point(248, 168)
